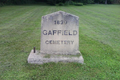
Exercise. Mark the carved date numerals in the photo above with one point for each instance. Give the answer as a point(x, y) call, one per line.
point(60, 22)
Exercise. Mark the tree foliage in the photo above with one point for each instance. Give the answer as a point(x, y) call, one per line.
point(53, 2)
point(17, 2)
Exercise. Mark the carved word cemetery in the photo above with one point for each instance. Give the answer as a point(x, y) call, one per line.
point(59, 40)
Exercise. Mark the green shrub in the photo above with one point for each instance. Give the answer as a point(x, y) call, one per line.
point(51, 2)
point(79, 4)
point(72, 3)
point(66, 3)
point(56, 4)
point(61, 4)
point(84, 3)
point(1, 4)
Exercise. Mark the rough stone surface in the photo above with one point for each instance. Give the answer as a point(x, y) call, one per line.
point(37, 58)
point(60, 34)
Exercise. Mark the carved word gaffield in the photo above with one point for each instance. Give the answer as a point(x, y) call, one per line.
point(59, 32)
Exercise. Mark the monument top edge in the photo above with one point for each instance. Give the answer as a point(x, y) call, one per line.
point(58, 12)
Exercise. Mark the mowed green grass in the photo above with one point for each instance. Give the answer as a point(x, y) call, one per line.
point(99, 34)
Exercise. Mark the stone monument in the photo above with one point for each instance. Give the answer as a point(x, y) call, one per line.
point(59, 40)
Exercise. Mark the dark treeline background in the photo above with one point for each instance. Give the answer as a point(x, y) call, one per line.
point(53, 2)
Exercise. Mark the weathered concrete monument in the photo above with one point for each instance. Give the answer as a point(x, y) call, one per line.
point(59, 40)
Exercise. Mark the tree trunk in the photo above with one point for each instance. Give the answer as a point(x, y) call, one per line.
point(105, 1)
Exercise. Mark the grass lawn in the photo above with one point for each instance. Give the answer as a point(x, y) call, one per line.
point(99, 29)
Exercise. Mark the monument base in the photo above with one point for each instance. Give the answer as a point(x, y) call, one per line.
point(38, 58)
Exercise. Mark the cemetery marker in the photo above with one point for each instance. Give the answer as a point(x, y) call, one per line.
point(59, 40)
